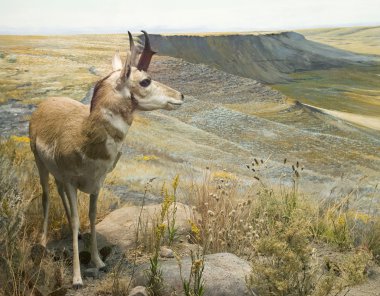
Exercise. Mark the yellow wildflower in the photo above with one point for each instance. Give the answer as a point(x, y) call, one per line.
point(175, 182)
point(160, 229)
point(195, 230)
point(22, 139)
point(147, 157)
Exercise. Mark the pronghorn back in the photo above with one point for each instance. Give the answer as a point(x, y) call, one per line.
point(58, 121)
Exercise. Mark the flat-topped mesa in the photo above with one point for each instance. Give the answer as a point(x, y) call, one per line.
point(79, 144)
point(226, 34)
point(265, 56)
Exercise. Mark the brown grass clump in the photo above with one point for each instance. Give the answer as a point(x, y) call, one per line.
point(281, 232)
point(18, 187)
point(24, 267)
point(115, 284)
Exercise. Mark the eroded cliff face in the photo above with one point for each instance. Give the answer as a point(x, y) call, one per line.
point(266, 57)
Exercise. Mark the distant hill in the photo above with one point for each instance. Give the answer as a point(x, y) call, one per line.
point(267, 57)
point(365, 40)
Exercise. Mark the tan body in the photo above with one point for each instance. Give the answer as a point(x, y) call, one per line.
point(70, 148)
point(80, 144)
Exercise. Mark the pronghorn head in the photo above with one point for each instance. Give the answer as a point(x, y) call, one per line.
point(132, 81)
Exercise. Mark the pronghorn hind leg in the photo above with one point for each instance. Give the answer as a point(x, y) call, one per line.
point(95, 258)
point(44, 181)
point(71, 193)
point(66, 205)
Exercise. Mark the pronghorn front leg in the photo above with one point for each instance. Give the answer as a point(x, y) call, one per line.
point(94, 245)
point(71, 193)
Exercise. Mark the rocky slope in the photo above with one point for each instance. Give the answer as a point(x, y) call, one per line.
point(267, 57)
point(226, 121)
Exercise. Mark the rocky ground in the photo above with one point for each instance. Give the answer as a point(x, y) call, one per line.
point(226, 122)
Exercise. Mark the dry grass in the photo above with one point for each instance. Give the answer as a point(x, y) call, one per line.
point(281, 232)
point(24, 267)
point(116, 283)
point(356, 39)
point(21, 220)
point(277, 228)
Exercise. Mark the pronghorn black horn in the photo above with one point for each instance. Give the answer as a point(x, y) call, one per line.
point(146, 55)
point(131, 58)
point(133, 49)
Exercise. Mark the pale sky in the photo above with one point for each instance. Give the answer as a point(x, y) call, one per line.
point(117, 16)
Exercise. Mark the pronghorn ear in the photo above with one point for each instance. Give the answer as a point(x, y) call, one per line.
point(126, 70)
point(116, 62)
point(125, 73)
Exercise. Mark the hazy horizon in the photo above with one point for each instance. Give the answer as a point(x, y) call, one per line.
point(170, 16)
point(123, 30)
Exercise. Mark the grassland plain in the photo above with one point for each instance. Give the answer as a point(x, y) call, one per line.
point(363, 40)
point(227, 121)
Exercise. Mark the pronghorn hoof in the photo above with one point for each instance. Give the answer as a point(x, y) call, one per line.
point(77, 286)
point(77, 282)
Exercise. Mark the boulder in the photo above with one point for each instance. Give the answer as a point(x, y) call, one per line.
point(119, 227)
point(166, 252)
point(138, 291)
point(91, 273)
point(224, 275)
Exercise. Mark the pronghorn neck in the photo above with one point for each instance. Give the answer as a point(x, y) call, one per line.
point(110, 118)
point(110, 107)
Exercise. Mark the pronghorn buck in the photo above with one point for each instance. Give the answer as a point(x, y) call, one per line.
point(79, 144)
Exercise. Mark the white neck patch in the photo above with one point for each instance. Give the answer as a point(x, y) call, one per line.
point(116, 120)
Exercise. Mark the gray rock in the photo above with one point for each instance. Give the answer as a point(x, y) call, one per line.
point(138, 291)
point(119, 227)
point(91, 273)
point(12, 59)
point(93, 70)
point(166, 252)
point(224, 275)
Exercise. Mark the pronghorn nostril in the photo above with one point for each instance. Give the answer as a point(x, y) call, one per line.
point(182, 97)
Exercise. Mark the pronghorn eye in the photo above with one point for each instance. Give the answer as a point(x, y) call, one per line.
point(145, 82)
